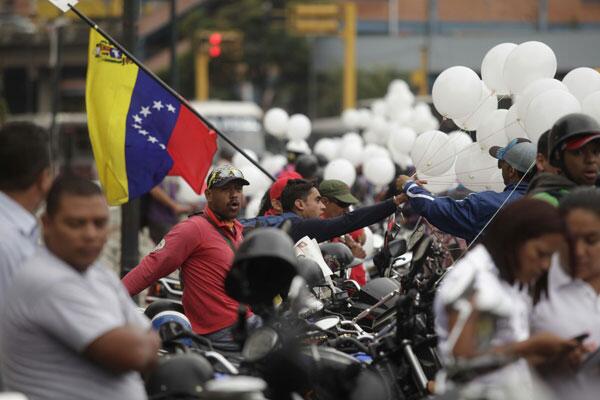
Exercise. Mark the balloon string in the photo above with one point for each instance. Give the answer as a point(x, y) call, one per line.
point(425, 152)
point(468, 147)
point(475, 112)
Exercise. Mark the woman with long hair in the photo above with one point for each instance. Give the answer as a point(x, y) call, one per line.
point(572, 305)
point(483, 304)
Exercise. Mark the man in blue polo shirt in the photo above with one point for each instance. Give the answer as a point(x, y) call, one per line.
point(467, 217)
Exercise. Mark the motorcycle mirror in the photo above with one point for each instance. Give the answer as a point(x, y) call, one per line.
point(422, 249)
point(260, 344)
point(327, 323)
point(397, 247)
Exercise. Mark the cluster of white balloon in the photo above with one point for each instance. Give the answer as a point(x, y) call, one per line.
point(526, 73)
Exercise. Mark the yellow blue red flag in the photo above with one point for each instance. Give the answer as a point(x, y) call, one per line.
point(139, 131)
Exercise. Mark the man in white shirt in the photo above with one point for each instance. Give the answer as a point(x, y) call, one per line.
point(24, 181)
point(69, 329)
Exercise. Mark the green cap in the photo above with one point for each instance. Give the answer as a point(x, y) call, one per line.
point(338, 190)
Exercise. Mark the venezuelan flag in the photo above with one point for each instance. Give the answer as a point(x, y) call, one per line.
point(139, 131)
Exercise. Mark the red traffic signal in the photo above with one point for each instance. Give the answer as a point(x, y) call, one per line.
point(214, 41)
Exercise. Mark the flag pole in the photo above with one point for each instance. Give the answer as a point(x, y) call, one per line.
point(95, 26)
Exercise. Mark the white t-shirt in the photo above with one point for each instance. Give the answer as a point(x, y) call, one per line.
point(571, 308)
point(510, 328)
point(52, 314)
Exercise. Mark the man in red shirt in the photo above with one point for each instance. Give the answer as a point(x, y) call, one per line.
point(337, 199)
point(203, 247)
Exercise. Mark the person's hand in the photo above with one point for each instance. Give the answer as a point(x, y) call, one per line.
point(354, 246)
point(546, 348)
point(179, 209)
point(401, 181)
point(399, 199)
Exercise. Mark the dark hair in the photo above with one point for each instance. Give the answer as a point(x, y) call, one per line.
point(265, 203)
point(515, 224)
point(69, 184)
point(542, 145)
point(294, 190)
point(24, 154)
point(584, 198)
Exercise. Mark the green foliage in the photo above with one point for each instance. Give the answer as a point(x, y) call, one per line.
point(273, 61)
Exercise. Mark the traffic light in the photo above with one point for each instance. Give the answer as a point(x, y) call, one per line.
point(214, 41)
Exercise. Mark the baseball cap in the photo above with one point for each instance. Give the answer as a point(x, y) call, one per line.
point(581, 141)
point(518, 153)
point(224, 174)
point(338, 190)
point(277, 187)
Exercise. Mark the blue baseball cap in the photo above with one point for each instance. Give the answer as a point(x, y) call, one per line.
point(518, 153)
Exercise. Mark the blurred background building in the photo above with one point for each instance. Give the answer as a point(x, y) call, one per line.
point(43, 58)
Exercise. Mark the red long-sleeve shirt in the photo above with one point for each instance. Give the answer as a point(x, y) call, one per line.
point(205, 258)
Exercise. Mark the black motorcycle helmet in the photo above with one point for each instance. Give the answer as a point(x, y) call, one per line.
point(338, 256)
point(263, 267)
point(307, 165)
point(179, 376)
point(566, 128)
point(311, 272)
point(159, 306)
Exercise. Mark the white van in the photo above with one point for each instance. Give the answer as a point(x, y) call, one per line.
point(240, 121)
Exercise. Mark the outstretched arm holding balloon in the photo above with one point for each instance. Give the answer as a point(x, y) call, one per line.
point(463, 218)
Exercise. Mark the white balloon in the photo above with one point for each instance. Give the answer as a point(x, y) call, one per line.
point(351, 118)
point(274, 164)
point(546, 109)
point(299, 127)
point(401, 159)
point(379, 171)
point(379, 107)
point(432, 153)
point(492, 67)
point(352, 152)
point(591, 105)
point(456, 92)
point(442, 183)
point(185, 193)
point(398, 85)
point(253, 207)
point(340, 169)
point(326, 147)
point(352, 137)
point(422, 119)
point(372, 151)
point(259, 182)
point(528, 62)
point(474, 166)
point(397, 101)
point(370, 137)
point(491, 131)
point(582, 82)
point(380, 128)
point(460, 140)
point(487, 180)
point(240, 161)
point(487, 105)
point(276, 122)
point(534, 89)
point(401, 140)
point(513, 127)
point(364, 118)
point(298, 146)
point(402, 117)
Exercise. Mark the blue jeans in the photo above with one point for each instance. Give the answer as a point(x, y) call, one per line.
point(223, 338)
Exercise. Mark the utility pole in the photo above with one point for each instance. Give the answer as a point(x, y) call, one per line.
point(174, 71)
point(130, 212)
point(349, 36)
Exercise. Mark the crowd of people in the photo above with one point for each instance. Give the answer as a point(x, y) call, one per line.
point(69, 329)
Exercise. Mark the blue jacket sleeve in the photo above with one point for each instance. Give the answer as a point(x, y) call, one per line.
point(326, 229)
point(462, 218)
